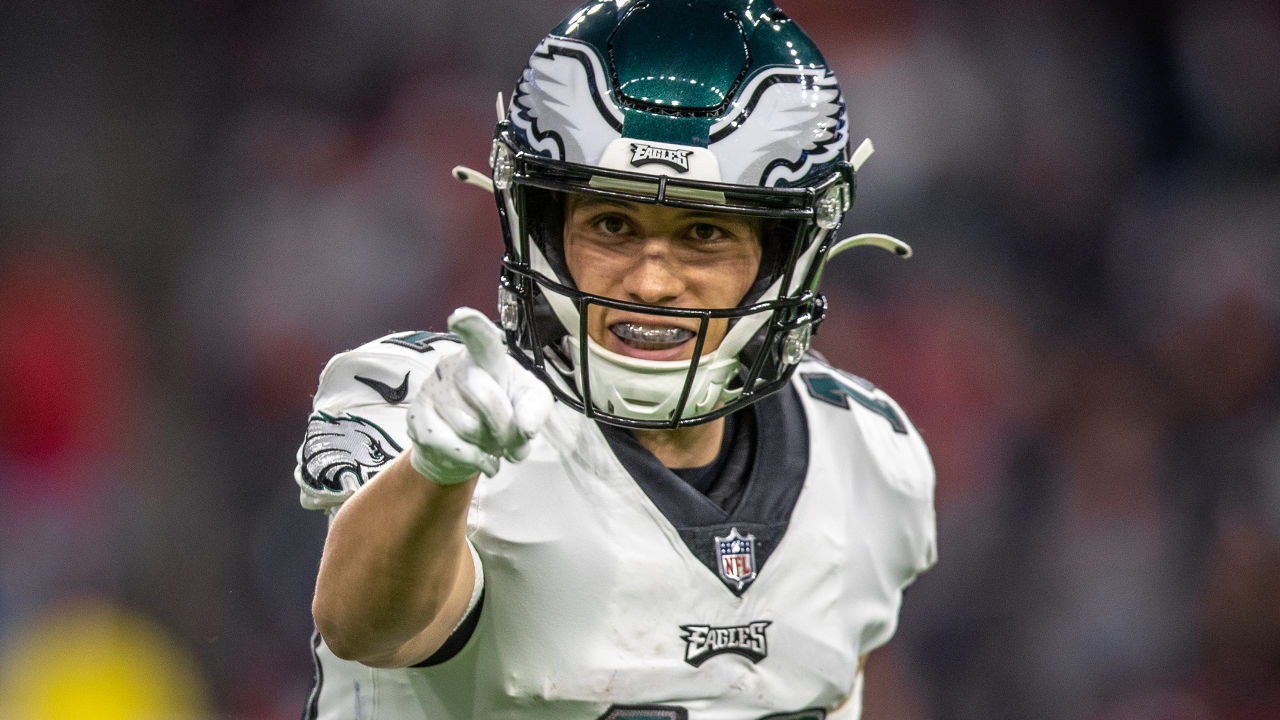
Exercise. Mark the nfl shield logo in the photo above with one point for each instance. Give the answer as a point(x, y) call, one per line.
point(736, 558)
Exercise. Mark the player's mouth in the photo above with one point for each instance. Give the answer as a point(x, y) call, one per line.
point(654, 342)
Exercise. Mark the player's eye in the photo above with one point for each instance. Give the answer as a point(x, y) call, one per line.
point(704, 231)
point(612, 224)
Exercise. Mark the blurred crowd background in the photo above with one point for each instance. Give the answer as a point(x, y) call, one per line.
point(200, 202)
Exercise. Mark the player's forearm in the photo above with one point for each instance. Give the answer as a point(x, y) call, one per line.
point(394, 566)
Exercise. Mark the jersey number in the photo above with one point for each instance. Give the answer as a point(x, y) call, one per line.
point(835, 392)
point(420, 341)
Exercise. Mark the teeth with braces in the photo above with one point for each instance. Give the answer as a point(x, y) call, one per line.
point(650, 335)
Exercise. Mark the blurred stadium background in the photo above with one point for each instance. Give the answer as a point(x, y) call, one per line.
point(200, 202)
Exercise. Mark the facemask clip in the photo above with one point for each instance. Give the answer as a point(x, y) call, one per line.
point(504, 166)
point(508, 309)
point(796, 344)
point(831, 208)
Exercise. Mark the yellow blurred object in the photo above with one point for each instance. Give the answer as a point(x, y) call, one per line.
point(89, 660)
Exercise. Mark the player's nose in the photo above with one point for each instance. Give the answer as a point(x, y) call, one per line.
point(655, 278)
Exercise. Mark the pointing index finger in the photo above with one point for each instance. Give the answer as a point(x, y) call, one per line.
point(483, 339)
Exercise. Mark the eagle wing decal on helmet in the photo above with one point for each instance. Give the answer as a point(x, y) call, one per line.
point(562, 105)
point(784, 123)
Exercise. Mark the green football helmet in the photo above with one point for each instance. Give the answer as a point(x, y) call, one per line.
point(718, 105)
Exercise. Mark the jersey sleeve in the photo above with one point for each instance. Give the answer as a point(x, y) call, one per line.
point(902, 461)
point(909, 470)
point(357, 423)
point(357, 426)
point(895, 483)
point(894, 470)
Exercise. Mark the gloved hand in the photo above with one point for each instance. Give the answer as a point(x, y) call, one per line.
point(477, 407)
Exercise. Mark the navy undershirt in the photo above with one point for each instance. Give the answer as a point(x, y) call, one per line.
point(762, 471)
point(701, 477)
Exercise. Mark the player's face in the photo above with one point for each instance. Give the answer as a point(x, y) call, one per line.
point(663, 256)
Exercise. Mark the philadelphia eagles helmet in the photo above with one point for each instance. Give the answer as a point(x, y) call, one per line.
point(716, 105)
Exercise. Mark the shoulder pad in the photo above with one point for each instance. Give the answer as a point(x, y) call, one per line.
point(385, 371)
point(357, 425)
point(892, 439)
point(851, 407)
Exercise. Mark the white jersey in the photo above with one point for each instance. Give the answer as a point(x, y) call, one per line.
point(607, 593)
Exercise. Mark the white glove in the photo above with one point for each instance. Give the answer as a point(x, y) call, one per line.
point(477, 407)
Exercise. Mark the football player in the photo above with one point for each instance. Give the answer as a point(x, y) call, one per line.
point(638, 496)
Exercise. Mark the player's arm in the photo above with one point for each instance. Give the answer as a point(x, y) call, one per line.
point(397, 574)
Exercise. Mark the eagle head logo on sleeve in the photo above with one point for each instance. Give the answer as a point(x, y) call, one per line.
point(342, 452)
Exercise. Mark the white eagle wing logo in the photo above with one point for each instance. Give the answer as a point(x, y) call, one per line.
point(563, 105)
point(797, 117)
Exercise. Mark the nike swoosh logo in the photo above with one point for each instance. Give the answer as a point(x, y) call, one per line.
point(393, 395)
